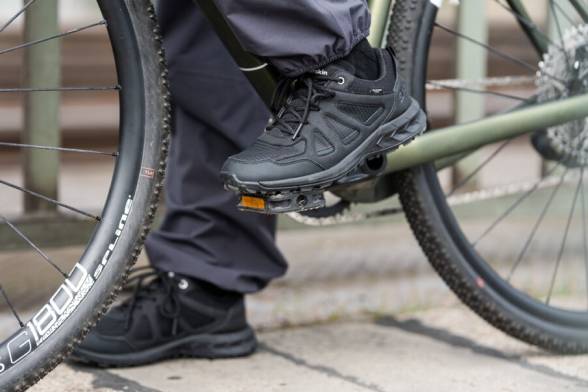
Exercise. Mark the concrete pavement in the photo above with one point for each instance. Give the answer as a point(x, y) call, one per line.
point(445, 349)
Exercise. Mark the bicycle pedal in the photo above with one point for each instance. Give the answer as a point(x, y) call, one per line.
point(282, 202)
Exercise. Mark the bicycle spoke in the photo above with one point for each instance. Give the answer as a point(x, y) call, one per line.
point(536, 227)
point(475, 91)
point(11, 306)
point(56, 36)
point(469, 177)
point(580, 9)
point(498, 53)
point(499, 81)
point(61, 149)
point(513, 207)
point(58, 89)
point(15, 16)
point(563, 12)
point(528, 23)
point(552, 5)
point(563, 243)
point(32, 244)
point(32, 193)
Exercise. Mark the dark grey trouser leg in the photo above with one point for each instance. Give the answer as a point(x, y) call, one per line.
point(298, 35)
point(217, 114)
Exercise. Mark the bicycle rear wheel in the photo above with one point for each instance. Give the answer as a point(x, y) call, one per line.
point(506, 231)
point(43, 336)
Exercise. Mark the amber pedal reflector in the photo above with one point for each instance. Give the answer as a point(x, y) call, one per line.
point(252, 202)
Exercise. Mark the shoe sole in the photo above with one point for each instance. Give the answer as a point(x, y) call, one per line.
point(388, 137)
point(214, 346)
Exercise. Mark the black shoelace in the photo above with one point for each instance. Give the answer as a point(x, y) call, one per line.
point(144, 285)
point(294, 99)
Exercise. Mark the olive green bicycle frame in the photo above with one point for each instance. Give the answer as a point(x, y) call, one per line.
point(442, 145)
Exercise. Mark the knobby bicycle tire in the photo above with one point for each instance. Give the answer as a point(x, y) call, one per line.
point(438, 232)
point(130, 208)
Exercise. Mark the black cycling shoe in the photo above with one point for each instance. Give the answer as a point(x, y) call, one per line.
point(332, 128)
point(169, 316)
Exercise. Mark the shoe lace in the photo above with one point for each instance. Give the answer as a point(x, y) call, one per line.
point(145, 282)
point(294, 99)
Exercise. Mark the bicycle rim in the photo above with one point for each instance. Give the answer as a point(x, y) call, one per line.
point(521, 262)
point(43, 336)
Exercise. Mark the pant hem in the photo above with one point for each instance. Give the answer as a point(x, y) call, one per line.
point(328, 60)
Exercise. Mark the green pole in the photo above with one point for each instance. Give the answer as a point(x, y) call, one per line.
point(41, 110)
point(471, 65)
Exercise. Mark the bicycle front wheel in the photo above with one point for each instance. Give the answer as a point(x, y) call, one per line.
point(504, 226)
point(125, 197)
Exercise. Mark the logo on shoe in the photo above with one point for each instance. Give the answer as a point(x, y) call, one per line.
point(322, 72)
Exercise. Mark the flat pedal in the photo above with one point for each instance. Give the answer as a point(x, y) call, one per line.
point(312, 198)
point(282, 202)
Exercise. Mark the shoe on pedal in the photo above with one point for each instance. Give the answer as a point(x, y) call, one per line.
point(169, 316)
point(326, 128)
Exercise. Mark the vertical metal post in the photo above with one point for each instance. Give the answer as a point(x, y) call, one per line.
point(471, 65)
point(42, 68)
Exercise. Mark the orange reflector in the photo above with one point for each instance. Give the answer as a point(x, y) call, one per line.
point(252, 202)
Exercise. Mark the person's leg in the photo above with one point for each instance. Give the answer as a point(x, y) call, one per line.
point(207, 254)
point(298, 36)
point(217, 114)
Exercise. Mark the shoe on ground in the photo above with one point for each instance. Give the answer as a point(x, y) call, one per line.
point(169, 316)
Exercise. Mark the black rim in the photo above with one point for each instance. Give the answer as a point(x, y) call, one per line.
point(480, 271)
point(118, 206)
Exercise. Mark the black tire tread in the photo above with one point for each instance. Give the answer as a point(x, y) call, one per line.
point(148, 219)
point(402, 33)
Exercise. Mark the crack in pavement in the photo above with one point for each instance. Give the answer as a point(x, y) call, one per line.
point(105, 379)
point(325, 370)
point(415, 326)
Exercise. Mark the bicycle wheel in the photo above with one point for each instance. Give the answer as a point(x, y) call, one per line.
point(505, 229)
point(41, 338)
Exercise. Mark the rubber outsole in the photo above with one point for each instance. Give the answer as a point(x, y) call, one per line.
point(210, 346)
point(388, 137)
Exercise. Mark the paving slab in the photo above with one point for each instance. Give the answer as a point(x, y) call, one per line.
point(444, 349)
